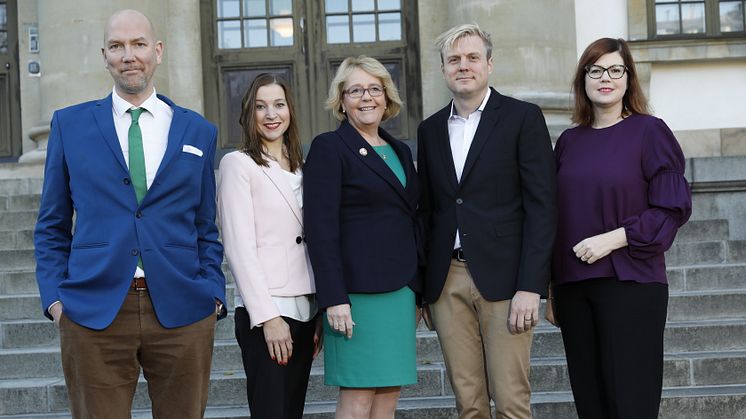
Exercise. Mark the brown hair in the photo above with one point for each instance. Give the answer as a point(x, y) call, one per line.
point(251, 143)
point(375, 69)
point(633, 102)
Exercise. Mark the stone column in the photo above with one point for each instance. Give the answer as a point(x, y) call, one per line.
point(72, 66)
point(534, 52)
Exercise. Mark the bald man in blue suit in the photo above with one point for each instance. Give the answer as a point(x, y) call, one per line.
point(136, 283)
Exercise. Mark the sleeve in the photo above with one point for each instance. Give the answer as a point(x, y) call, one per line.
point(669, 197)
point(53, 231)
point(209, 248)
point(538, 187)
point(238, 230)
point(424, 205)
point(322, 201)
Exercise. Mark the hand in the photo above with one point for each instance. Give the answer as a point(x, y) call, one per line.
point(56, 312)
point(524, 312)
point(340, 319)
point(279, 341)
point(549, 312)
point(318, 337)
point(594, 248)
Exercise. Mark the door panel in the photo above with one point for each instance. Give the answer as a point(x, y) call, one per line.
point(305, 41)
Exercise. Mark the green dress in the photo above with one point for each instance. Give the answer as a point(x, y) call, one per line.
point(382, 350)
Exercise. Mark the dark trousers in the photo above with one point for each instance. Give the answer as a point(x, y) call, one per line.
point(613, 336)
point(275, 391)
point(102, 366)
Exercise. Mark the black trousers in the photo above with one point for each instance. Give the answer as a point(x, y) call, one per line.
point(275, 391)
point(613, 336)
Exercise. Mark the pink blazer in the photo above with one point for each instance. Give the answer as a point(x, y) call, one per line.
point(262, 232)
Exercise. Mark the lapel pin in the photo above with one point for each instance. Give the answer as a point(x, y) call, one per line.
point(363, 151)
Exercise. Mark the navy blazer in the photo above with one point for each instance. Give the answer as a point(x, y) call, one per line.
point(173, 229)
point(504, 206)
point(360, 221)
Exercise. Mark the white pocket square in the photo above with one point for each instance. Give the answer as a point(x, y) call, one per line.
point(192, 150)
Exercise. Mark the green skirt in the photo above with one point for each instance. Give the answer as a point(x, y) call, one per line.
point(382, 350)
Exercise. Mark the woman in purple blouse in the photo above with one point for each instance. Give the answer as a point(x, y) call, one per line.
point(622, 196)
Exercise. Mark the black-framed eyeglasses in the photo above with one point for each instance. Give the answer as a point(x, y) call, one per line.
point(615, 71)
point(358, 91)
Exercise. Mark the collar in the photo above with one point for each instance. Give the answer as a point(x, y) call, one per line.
point(121, 106)
point(480, 108)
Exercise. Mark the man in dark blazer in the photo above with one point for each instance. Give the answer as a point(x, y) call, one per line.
point(487, 216)
point(138, 283)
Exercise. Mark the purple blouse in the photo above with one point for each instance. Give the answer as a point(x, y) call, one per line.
point(627, 175)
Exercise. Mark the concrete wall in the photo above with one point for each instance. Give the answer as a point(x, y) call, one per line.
point(700, 95)
point(598, 19)
point(534, 46)
point(72, 67)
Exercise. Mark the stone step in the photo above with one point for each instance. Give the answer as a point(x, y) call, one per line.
point(18, 220)
point(18, 282)
point(20, 202)
point(707, 305)
point(737, 251)
point(22, 323)
point(17, 260)
point(696, 253)
point(229, 389)
point(22, 186)
point(703, 402)
point(17, 240)
point(680, 338)
point(703, 230)
point(707, 277)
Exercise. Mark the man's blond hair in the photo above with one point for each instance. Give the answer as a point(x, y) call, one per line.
point(447, 39)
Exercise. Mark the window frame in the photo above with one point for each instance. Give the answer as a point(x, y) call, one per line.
point(712, 23)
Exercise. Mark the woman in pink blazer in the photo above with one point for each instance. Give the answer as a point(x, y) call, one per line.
point(260, 207)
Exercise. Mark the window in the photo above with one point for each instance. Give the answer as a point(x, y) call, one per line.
point(731, 16)
point(254, 23)
point(696, 18)
point(362, 21)
point(305, 41)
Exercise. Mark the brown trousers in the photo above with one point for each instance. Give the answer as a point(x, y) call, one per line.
point(102, 366)
point(482, 358)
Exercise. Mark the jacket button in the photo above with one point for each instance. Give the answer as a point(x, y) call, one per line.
point(459, 201)
point(299, 240)
point(134, 252)
point(126, 181)
point(138, 214)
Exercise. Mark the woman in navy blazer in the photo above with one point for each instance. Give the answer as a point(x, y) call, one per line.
point(360, 196)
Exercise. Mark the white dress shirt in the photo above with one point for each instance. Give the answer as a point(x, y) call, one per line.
point(155, 124)
point(461, 134)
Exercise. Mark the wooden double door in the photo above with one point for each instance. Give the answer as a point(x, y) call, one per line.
point(305, 41)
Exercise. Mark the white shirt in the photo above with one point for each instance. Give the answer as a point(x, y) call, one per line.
point(154, 126)
point(461, 134)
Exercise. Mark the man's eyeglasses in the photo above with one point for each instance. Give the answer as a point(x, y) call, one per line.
point(358, 91)
point(615, 71)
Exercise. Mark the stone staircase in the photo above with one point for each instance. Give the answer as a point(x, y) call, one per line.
point(705, 340)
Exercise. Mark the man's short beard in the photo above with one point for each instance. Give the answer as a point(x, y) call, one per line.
point(133, 88)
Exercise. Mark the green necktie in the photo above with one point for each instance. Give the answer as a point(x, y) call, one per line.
point(137, 155)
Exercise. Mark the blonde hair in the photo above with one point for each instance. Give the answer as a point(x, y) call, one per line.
point(447, 39)
point(375, 69)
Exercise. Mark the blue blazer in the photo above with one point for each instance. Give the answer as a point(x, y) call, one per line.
point(360, 221)
point(173, 229)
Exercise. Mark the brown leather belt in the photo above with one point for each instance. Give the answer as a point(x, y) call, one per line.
point(139, 284)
